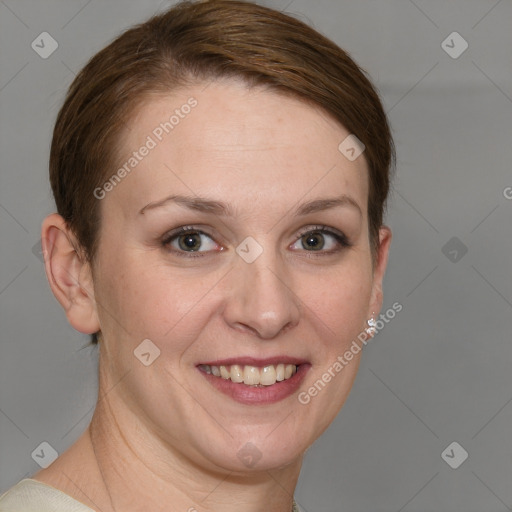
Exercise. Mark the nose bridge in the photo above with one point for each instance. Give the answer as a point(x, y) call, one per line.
point(263, 300)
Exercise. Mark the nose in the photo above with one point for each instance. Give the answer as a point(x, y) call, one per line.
point(262, 300)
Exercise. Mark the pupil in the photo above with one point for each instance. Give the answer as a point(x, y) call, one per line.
point(191, 241)
point(313, 241)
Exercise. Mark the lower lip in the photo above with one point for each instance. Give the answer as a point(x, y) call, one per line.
point(255, 395)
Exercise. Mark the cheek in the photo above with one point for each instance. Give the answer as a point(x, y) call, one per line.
point(146, 298)
point(337, 316)
point(339, 300)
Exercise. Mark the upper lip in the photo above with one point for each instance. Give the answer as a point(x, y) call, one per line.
point(254, 361)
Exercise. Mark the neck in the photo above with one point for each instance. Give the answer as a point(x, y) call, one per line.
point(141, 472)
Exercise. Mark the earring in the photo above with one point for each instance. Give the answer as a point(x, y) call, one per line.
point(371, 330)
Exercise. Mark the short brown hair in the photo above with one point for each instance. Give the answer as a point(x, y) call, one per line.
point(189, 43)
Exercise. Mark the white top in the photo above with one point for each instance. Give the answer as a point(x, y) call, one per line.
point(30, 495)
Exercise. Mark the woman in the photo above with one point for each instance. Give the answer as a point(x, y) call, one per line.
point(220, 174)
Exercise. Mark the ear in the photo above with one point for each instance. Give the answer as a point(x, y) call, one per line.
point(379, 270)
point(69, 275)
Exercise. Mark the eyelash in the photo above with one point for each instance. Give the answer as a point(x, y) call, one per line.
point(324, 230)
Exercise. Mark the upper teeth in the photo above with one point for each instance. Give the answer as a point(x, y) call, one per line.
point(252, 375)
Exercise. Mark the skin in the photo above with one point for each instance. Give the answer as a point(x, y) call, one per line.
point(162, 438)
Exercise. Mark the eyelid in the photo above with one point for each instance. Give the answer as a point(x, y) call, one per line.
point(171, 235)
point(339, 236)
point(181, 231)
point(328, 230)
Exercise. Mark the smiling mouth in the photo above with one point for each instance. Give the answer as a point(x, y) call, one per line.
point(252, 375)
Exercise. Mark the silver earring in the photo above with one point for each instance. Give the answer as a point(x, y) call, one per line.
point(371, 330)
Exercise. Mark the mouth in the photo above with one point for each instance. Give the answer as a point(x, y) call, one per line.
point(252, 375)
point(250, 381)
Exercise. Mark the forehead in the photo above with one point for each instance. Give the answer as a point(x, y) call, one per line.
point(238, 143)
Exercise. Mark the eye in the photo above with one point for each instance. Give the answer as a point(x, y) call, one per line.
point(189, 240)
point(321, 239)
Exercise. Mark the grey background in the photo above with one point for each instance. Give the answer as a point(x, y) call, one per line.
point(439, 371)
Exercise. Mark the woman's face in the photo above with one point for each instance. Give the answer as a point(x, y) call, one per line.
point(238, 239)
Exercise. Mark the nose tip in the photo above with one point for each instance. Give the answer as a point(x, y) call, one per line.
point(263, 302)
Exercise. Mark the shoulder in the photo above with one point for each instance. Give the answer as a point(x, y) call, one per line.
point(30, 495)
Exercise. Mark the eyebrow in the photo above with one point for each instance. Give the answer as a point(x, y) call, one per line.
point(218, 208)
